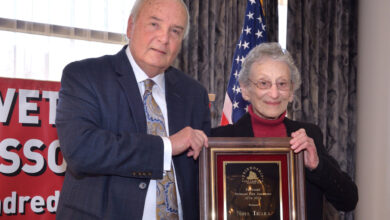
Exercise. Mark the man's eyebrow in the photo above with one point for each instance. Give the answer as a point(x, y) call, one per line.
point(155, 18)
point(159, 19)
point(179, 27)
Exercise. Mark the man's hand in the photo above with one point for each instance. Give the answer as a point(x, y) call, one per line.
point(188, 139)
point(301, 142)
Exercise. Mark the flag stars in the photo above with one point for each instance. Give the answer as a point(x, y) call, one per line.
point(263, 26)
point(239, 45)
point(236, 89)
point(259, 34)
point(260, 19)
point(245, 45)
point(242, 59)
point(250, 15)
point(247, 30)
point(238, 59)
point(246, 108)
point(236, 74)
point(235, 104)
point(252, 2)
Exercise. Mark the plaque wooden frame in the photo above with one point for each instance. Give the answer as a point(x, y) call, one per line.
point(240, 147)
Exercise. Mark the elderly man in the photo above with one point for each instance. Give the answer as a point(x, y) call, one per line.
point(131, 127)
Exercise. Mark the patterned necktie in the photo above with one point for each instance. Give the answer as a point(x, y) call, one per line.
point(166, 190)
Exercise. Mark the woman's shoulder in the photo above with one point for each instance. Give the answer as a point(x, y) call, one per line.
point(222, 131)
point(296, 125)
point(242, 128)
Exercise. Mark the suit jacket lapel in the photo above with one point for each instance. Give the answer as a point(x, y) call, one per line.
point(176, 121)
point(129, 85)
point(175, 102)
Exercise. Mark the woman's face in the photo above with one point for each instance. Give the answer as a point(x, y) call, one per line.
point(270, 89)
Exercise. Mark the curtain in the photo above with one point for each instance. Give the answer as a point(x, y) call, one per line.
point(270, 8)
point(207, 52)
point(322, 38)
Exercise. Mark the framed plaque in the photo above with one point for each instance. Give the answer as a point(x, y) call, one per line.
point(251, 178)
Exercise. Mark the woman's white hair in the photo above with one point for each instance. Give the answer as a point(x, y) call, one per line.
point(266, 51)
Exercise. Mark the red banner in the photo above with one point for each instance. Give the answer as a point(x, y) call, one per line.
point(31, 165)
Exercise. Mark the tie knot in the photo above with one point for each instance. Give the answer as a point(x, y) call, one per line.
point(148, 84)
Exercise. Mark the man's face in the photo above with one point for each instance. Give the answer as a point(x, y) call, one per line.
point(156, 34)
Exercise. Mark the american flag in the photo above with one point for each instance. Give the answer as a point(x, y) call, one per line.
point(253, 34)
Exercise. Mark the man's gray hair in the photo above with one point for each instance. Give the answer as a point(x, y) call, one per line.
point(266, 51)
point(137, 6)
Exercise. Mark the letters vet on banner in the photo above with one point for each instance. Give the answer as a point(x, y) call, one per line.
point(31, 165)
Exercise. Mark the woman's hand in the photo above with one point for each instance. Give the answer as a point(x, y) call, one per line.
point(301, 142)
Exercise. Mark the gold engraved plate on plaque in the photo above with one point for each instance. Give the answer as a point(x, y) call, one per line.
point(252, 190)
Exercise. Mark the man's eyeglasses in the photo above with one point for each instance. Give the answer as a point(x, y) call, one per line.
point(264, 84)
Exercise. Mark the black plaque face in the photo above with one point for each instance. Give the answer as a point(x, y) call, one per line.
point(252, 190)
point(251, 178)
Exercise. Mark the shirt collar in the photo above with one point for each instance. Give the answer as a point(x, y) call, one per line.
point(141, 76)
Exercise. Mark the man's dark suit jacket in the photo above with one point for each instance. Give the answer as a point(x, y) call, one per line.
point(102, 132)
point(327, 179)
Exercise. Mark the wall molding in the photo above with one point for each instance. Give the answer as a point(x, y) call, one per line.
point(61, 31)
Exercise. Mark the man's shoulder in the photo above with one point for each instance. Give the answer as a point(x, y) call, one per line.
point(183, 80)
point(92, 71)
point(180, 75)
point(99, 62)
point(93, 62)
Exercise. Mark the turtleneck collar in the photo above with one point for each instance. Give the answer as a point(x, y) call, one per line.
point(266, 127)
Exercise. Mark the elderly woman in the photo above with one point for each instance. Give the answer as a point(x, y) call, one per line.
point(268, 79)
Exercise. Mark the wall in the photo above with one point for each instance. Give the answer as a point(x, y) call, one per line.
point(373, 142)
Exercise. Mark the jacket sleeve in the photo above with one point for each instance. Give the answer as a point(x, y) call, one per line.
point(87, 122)
point(338, 187)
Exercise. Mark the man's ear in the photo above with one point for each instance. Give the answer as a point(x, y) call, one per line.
point(130, 26)
point(244, 92)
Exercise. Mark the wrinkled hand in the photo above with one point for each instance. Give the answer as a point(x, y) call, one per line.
point(189, 139)
point(301, 142)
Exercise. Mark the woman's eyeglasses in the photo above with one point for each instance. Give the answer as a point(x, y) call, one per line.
point(264, 84)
